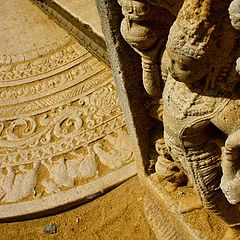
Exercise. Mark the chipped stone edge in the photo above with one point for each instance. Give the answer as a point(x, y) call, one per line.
point(66, 199)
point(94, 43)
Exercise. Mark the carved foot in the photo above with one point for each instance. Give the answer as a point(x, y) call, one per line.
point(169, 171)
point(232, 233)
point(231, 188)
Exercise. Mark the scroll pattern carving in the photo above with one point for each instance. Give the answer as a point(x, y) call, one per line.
point(60, 124)
point(35, 67)
point(61, 129)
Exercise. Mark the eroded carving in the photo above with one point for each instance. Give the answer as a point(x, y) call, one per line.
point(120, 155)
point(140, 28)
point(200, 73)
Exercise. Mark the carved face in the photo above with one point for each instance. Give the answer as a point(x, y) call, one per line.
point(187, 55)
point(185, 69)
point(134, 9)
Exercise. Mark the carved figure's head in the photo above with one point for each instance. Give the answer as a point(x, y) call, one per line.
point(234, 12)
point(192, 40)
point(136, 10)
point(140, 36)
point(144, 23)
point(188, 62)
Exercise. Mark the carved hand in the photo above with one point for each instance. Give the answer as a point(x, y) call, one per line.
point(234, 12)
point(230, 182)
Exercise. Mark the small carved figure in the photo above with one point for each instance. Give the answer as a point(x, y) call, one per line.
point(117, 156)
point(140, 28)
point(63, 173)
point(16, 186)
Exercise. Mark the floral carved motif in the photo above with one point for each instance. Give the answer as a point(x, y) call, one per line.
point(61, 124)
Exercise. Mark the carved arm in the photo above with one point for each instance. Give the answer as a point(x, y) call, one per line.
point(230, 183)
point(145, 28)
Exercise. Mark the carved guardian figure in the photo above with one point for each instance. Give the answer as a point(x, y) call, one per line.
point(197, 58)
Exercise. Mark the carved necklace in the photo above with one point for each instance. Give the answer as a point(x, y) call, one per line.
point(182, 102)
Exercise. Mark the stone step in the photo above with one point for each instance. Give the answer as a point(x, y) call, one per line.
point(80, 19)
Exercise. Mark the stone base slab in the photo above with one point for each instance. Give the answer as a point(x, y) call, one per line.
point(63, 137)
point(178, 215)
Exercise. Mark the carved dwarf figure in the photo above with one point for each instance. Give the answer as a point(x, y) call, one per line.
point(201, 96)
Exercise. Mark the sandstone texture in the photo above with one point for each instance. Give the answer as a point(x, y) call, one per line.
point(116, 215)
point(189, 57)
point(63, 138)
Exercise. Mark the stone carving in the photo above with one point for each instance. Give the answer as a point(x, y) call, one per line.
point(18, 185)
point(63, 173)
point(62, 130)
point(140, 28)
point(121, 153)
point(199, 67)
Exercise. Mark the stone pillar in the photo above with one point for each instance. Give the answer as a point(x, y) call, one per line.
point(126, 67)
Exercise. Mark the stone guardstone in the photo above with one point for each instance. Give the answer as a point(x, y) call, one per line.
point(63, 138)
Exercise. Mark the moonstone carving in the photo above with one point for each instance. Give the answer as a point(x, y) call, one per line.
point(193, 55)
point(63, 137)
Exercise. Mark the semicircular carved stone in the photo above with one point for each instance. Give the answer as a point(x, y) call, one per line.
point(62, 134)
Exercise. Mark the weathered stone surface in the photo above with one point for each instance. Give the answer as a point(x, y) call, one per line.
point(116, 215)
point(190, 60)
point(80, 19)
point(126, 67)
point(62, 133)
point(84, 11)
point(179, 214)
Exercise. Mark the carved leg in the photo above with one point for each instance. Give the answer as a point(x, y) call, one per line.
point(206, 174)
